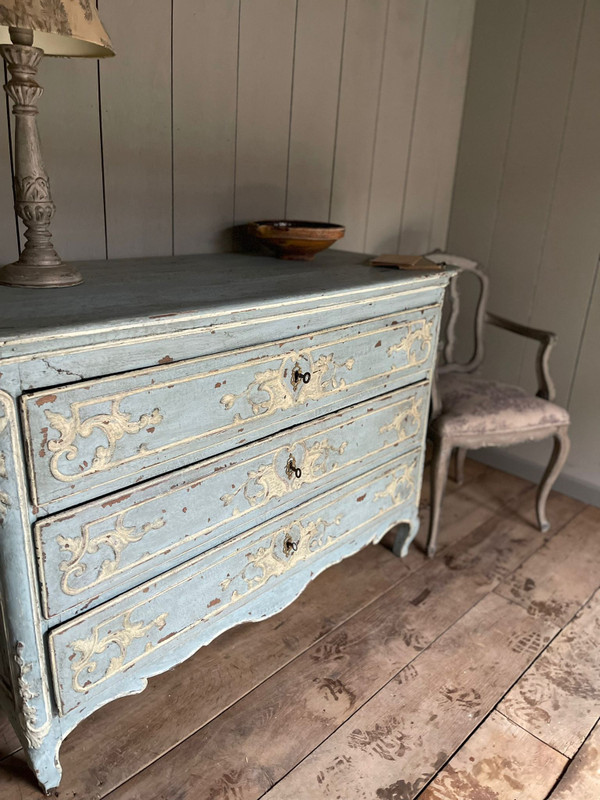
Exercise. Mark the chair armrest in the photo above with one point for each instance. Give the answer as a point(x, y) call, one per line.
point(547, 340)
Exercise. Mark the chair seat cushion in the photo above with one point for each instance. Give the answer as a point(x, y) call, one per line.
point(473, 405)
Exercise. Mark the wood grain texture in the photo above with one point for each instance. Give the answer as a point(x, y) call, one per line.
point(558, 698)
point(562, 575)
point(70, 134)
point(115, 743)
point(357, 114)
point(9, 743)
point(318, 53)
point(315, 694)
point(395, 743)
point(205, 52)
point(472, 504)
point(391, 153)
point(499, 762)
point(136, 118)
point(582, 779)
point(266, 52)
point(323, 687)
point(436, 125)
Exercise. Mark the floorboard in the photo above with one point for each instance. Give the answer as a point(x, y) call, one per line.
point(561, 576)
point(500, 761)
point(558, 699)
point(393, 677)
point(582, 779)
point(398, 740)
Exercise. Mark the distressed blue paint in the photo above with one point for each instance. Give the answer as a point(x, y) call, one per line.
point(165, 360)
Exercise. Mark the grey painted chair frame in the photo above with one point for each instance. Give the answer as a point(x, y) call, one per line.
point(444, 446)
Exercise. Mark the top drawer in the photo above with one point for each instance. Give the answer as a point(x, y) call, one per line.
point(88, 438)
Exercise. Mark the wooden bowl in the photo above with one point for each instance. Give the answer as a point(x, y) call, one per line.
point(295, 240)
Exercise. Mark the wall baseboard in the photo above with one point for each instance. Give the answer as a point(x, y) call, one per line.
point(573, 487)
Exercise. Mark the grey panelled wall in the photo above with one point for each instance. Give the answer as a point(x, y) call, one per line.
point(527, 204)
point(216, 112)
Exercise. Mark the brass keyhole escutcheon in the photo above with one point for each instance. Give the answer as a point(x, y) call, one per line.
point(289, 545)
point(299, 377)
point(291, 468)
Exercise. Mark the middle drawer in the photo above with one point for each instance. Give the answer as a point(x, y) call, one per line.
point(89, 554)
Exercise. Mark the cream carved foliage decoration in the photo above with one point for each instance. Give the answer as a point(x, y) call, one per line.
point(277, 385)
point(266, 483)
point(115, 540)
point(416, 344)
point(118, 640)
point(407, 422)
point(279, 555)
point(35, 736)
point(401, 486)
point(113, 426)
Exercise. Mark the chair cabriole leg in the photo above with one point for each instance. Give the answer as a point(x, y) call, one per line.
point(442, 451)
point(459, 465)
point(559, 455)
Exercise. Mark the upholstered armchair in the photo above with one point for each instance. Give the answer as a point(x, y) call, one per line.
point(469, 412)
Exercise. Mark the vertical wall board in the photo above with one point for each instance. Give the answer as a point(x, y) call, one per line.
point(358, 103)
point(584, 461)
point(400, 75)
point(136, 116)
point(319, 38)
point(9, 250)
point(495, 55)
point(443, 34)
point(264, 96)
point(489, 98)
point(552, 27)
point(205, 50)
point(572, 244)
point(70, 133)
point(451, 112)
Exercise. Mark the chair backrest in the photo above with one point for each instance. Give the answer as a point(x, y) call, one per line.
point(454, 314)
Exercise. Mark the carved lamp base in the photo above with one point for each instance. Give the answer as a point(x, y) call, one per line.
point(39, 265)
point(34, 277)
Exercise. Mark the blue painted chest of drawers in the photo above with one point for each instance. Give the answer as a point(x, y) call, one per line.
point(184, 444)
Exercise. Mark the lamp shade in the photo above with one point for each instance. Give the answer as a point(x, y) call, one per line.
point(60, 27)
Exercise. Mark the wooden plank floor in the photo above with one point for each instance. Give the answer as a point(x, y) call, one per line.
point(475, 676)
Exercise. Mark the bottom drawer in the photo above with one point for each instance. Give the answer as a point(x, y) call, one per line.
point(110, 650)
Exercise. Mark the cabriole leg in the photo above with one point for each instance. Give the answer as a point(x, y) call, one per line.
point(45, 764)
point(559, 455)
point(442, 451)
point(406, 532)
point(459, 465)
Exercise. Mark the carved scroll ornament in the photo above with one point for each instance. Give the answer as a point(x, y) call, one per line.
point(416, 344)
point(277, 557)
point(35, 735)
point(401, 486)
point(115, 540)
point(408, 420)
point(268, 483)
point(273, 390)
point(86, 665)
point(113, 426)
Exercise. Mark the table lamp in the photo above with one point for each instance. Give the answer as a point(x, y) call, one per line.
point(28, 30)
